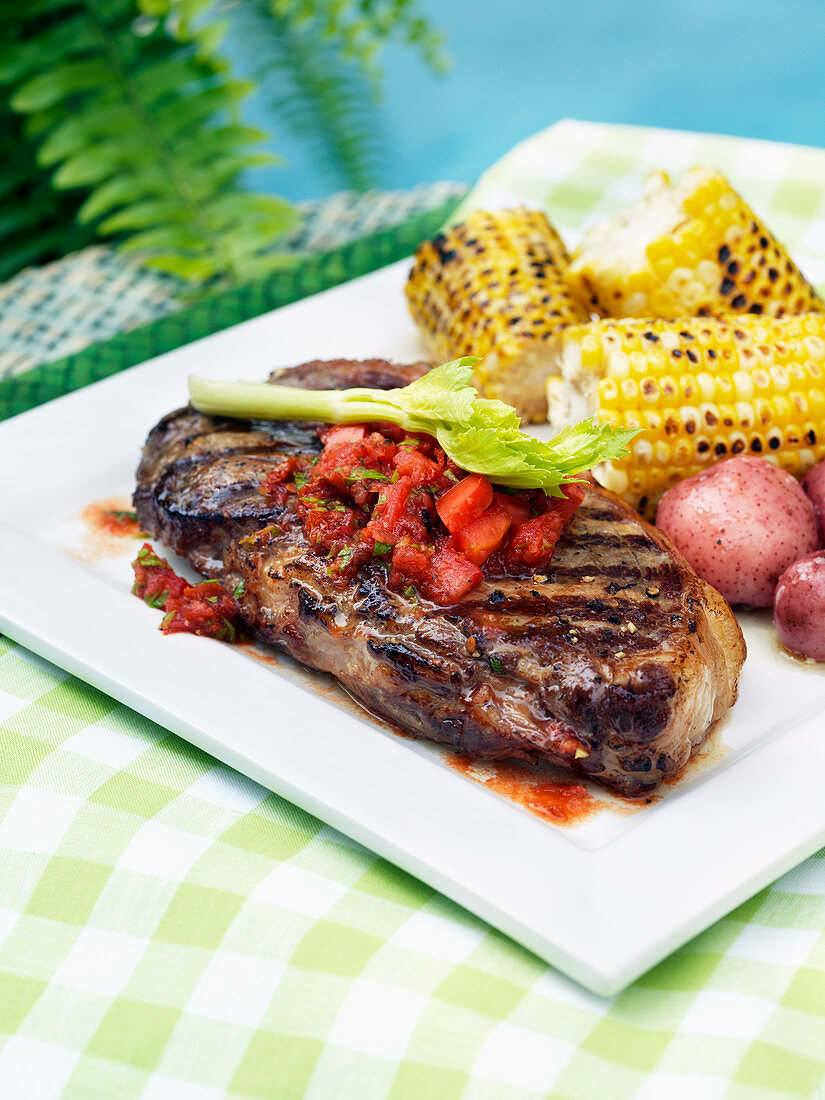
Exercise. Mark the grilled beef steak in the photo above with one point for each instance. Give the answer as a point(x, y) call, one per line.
point(615, 663)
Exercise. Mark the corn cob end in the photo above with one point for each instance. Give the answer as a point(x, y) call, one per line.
point(492, 286)
point(694, 249)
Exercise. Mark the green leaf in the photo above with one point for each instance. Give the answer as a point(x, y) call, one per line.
point(195, 269)
point(178, 236)
point(47, 89)
point(118, 191)
point(166, 77)
point(263, 212)
point(221, 171)
point(224, 139)
point(65, 39)
point(141, 215)
point(83, 127)
point(86, 168)
point(181, 114)
point(210, 37)
point(265, 263)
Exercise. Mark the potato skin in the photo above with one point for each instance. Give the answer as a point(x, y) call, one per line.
point(740, 524)
point(799, 607)
point(814, 485)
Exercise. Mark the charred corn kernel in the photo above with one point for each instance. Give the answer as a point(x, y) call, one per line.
point(492, 286)
point(696, 249)
point(728, 403)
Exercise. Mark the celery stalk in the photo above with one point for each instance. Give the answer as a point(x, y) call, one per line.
point(479, 435)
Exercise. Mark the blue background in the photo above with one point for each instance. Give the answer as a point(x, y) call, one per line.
point(754, 68)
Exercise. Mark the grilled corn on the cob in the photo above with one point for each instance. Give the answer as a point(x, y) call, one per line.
point(695, 249)
point(492, 286)
point(701, 389)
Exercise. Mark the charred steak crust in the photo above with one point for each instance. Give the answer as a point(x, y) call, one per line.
point(615, 663)
point(342, 374)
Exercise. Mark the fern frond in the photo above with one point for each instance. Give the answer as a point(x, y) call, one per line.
point(137, 118)
point(361, 29)
point(323, 101)
point(319, 68)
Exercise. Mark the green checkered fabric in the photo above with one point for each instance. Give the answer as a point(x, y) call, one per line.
point(170, 929)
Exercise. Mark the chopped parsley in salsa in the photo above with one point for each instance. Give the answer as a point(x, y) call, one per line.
point(377, 492)
point(204, 608)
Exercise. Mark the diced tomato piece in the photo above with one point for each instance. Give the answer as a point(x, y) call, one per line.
point(531, 544)
point(451, 576)
point(410, 561)
point(481, 538)
point(420, 470)
point(206, 609)
point(464, 502)
point(345, 433)
point(573, 496)
point(324, 527)
point(155, 579)
point(274, 482)
point(350, 465)
point(392, 501)
point(388, 511)
point(515, 506)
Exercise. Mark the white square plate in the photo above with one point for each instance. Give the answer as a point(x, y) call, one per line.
point(603, 901)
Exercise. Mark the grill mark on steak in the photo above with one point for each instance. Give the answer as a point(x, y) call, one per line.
point(580, 658)
point(603, 541)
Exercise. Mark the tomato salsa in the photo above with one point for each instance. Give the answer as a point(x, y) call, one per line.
point(205, 608)
point(378, 492)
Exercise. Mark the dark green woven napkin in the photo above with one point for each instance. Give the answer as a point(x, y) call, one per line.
point(217, 311)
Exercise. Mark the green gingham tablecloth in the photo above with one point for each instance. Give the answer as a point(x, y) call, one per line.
point(170, 929)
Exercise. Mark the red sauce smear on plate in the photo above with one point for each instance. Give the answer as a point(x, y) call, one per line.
point(109, 525)
point(116, 521)
point(532, 786)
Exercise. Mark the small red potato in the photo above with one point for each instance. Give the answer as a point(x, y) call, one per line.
point(799, 607)
point(814, 485)
point(740, 524)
